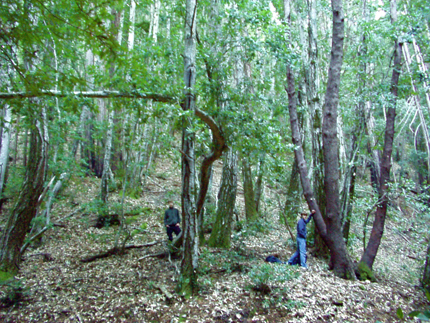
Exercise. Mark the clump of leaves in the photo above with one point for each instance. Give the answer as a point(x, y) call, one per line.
point(263, 275)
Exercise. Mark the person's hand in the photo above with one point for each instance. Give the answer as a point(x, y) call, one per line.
point(167, 226)
point(177, 224)
point(313, 211)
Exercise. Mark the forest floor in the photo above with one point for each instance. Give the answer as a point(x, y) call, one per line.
point(236, 285)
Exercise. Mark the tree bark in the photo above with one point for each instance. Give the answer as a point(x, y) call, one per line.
point(5, 141)
point(371, 250)
point(221, 232)
point(426, 275)
point(250, 209)
point(218, 146)
point(330, 230)
point(25, 209)
point(187, 284)
point(259, 188)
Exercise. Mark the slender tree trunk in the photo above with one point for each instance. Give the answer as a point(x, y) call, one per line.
point(221, 232)
point(356, 134)
point(259, 188)
point(250, 209)
point(5, 141)
point(426, 275)
point(371, 250)
point(106, 161)
point(187, 284)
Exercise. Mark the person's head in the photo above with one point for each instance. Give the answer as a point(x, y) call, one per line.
point(170, 204)
point(303, 215)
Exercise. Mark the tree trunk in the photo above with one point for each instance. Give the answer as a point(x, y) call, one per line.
point(371, 250)
point(259, 188)
point(25, 209)
point(187, 284)
point(426, 275)
point(221, 232)
point(356, 135)
point(248, 191)
point(292, 207)
point(5, 141)
point(106, 161)
point(331, 233)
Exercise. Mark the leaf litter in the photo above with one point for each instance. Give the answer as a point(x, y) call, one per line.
point(122, 288)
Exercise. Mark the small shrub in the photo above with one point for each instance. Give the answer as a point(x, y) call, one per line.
point(263, 275)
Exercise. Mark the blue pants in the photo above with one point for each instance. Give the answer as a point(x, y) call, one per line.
point(299, 256)
point(173, 228)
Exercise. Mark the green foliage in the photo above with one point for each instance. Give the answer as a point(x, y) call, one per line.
point(365, 272)
point(267, 273)
point(229, 260)
point(422, 315)
point(96, 206)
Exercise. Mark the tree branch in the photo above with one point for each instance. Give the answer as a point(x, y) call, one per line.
point(89, 94)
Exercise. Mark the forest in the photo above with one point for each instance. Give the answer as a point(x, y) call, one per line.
point(243, 114)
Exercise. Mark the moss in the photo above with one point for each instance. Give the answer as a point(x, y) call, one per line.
point(5, 276)
point(365, 273)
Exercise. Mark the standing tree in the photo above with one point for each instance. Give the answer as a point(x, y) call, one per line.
point(368, 258)
point(329, 228)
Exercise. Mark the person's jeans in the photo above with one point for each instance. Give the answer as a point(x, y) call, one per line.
point(173, 228)
point(299, 256)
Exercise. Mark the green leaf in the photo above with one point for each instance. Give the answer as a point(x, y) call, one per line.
point(414, 313)
point(400, 314)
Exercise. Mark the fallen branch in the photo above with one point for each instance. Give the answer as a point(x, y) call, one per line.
point(115, 251)
point(152, 255)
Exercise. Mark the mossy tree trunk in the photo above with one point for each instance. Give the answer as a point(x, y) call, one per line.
point(221, 232)
point(26, 206)
point(248, 191)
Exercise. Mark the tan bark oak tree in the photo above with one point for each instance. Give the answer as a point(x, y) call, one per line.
point(330, 229)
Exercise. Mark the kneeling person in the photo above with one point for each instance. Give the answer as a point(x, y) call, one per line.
point(172, 220)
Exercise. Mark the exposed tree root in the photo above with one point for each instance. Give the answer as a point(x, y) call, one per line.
point(117, 251)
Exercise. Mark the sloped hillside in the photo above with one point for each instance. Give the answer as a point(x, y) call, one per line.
point(236, 285)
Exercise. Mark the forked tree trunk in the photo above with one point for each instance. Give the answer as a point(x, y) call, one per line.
point(25, 209)
point(187, 284)
point(371, 250)
point(221, 232)
point(331, 232)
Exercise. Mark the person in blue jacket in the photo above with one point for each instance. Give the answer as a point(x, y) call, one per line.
point(299, 256)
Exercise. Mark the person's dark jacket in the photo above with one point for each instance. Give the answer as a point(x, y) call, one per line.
point(171, 216)
point(301, 227)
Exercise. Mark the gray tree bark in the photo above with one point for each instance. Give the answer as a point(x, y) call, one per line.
point(221, 232)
